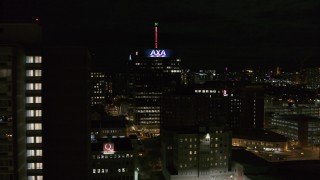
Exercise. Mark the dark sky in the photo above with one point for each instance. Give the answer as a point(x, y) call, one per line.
point(205, 33)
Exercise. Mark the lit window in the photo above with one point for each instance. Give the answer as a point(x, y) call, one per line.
point(38, 99)
point(37, 59)
point(38, 139)
point(29, 86)
point(29, 99)
point(30, 113)
point(31, 166)
point(38, 165)
point(30, 139)
point(38, 113)
point(38, 86)
point(37, 126)
point(37, 72)
point(31, 178)
point(29, 59)
point(30, 153)
point(30, 126)
point(29, 73)
point(39, 152)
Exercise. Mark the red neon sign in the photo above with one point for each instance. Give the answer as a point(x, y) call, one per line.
point(108, 148)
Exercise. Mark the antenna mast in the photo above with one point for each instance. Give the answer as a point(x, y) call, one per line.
point(156, 35)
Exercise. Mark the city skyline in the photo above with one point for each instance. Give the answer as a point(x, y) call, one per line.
point(211, 34)
point(159, 89)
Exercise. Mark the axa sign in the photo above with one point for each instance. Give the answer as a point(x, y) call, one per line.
point(158, 53)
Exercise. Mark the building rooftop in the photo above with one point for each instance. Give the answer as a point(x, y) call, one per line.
point(258, 134)
point(120, 144)
point(297, 117)
point(110, 122)
point(194, 129)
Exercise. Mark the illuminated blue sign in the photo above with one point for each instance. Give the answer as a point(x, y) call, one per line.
point(157, 53)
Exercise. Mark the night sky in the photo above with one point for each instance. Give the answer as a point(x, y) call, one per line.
point(205, 33)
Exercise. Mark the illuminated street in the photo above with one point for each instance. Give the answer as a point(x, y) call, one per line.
point(298, 154)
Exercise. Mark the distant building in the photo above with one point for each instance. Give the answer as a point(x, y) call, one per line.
point(270, 110)
point(252, 107)
point(119, 84)
point(151, 73)
point(302, 129)
point(113, 158)
point(184, 109)
point(224, 102)
point(235, 104)
point(312, 76)
point(109, 126)
point(98, 88)
point(259, 139)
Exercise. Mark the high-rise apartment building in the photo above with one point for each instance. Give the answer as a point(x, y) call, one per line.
point(151, 73)
point(33, 100)
point(20, 102)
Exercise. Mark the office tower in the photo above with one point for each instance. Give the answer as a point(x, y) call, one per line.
point(224, 101)
point(184, 109)
point(151, 73)
point(21, 122)
point(66, 125)
point(98, 88)
point(235, 104)
point(252, 108)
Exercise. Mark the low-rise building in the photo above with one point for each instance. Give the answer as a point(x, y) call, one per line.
point(112, 125)
point(303, 129)
point(113, 158)
point(203, 153)
point(259, 139)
